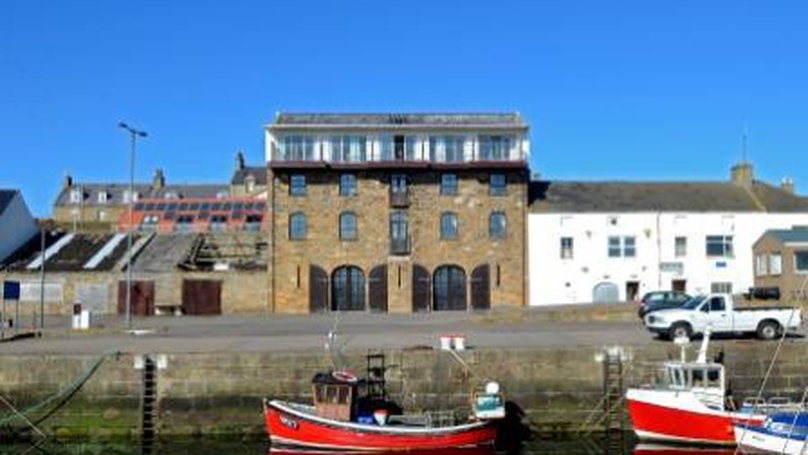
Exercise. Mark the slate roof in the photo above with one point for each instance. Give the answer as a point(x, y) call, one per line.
point(613, 197)
point(784, 236)
point(70, 258)
point(259, 173)
point(115, 192)
point(392, 120)
point(6, 196)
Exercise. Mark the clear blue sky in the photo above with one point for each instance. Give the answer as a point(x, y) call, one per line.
point(637, 90)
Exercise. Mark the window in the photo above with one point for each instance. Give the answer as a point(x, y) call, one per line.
point(126, 196)
point(496, 148)
point(297, 185)
point(297, 226)
point(719, 245)
point(446, 148)
point(348, 148)
point(448, 226)
point(498, 184)
point(760, 265)
point(622, 247)
point(347, 226)
point(721, 288)
point(801, 262)
point(775, 264)
point(680, 247)
point(76, 196)
point(103, 197)
point(398, 183)
point(717, 304)
point(101, 215)
point(347, 185)
point(566, 248)
point(497, 225)
point(398, 148)
point(399, 233)
point(448, 184)
point(296, 148)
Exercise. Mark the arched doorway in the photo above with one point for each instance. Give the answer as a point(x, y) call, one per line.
point(481, 287)
point(449, 288)
point(377, 288)
point(420, 289)
point(605, 292)
point(348, 289)
point(318, 289)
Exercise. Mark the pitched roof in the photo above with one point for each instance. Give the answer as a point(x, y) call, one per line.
point(784, 236)
point(611, 197)
point(259, 173)
point(71, 257)
point(6, 196)
point(115, 192)
point(392, 120)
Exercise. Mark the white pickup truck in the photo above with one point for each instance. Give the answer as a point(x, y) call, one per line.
point(718, 312)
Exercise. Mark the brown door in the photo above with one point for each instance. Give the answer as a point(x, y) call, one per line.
point(202, 297)
point(142, 298)
point(679, 285)
point(318, 290)
point(481, 287)
point(377, 287)
point(420, 288)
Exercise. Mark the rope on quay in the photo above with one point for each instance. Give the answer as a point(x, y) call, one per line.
point(57, 400)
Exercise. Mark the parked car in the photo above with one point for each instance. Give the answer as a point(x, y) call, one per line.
point(719, 313)
point(661, 300)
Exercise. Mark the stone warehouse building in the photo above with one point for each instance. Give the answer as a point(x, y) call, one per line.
point(781, 264)
point(396, 212)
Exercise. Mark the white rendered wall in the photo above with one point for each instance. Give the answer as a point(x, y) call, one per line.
point(563, 281)
point(16, 226)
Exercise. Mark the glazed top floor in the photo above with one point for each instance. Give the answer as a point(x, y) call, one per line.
point(422, 138)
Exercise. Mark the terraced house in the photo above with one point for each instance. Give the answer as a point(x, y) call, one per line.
point(396, 212)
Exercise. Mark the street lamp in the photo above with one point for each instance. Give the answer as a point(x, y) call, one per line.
point(133, 134)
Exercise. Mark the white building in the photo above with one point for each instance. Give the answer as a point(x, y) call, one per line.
point(615, 241)
point(16, 224)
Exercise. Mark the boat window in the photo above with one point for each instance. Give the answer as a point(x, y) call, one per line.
point(343, 395)
point(698, 378)
point(714, 377)
point(320, 393)
point(331, 394)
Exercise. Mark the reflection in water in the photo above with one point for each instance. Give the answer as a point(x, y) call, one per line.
point(536, 446)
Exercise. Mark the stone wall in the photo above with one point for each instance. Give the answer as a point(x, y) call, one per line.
point(291, 259)
point(559, 389)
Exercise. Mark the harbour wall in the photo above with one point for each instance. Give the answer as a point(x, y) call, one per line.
point(559, 390)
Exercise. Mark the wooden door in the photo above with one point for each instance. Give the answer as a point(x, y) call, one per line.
point(202, 297)
point(142, 298)
point(679, 285)
point(481, 287)
point(318, 290)
point(377, 288)
point(420, 288)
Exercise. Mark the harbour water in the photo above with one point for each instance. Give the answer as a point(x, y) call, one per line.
point(201, 446)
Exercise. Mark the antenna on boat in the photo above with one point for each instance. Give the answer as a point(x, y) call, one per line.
point(705, 341)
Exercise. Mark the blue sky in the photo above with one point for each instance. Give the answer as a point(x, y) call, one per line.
point(629, 90)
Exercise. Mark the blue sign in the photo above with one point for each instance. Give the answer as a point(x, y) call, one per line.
point(11, 290)
point(721, 265)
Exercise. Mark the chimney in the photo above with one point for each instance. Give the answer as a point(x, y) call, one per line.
point(787, 185)
point(240, 160)
point(742, 174)
point(68, 182)
point(159, 180)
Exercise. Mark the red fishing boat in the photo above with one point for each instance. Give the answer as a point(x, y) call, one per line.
point(354, 414)
point(690, 405)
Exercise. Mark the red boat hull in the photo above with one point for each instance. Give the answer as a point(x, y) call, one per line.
point(658, 422)
point(290, 428)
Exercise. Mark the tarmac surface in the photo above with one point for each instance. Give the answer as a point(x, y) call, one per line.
point(216, 334)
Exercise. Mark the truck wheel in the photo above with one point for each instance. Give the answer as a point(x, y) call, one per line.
point(768, 330)
point(680, 329)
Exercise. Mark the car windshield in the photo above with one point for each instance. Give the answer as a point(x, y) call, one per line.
point(694, 303)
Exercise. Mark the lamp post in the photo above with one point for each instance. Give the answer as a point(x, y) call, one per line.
point(133, 134)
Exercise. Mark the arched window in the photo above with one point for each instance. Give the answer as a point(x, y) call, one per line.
point(448, 226)
point(347, 226)
point(605, 292)
point(297, 226)
point(497, 225)
point(449, 288)
point(348, 289)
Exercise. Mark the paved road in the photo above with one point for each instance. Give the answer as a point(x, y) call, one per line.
point(358, 331)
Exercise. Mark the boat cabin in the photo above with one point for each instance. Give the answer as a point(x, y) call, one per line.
point(703, 379)
point(336, 395)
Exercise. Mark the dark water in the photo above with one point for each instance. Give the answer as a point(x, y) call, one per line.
point(536, 446)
